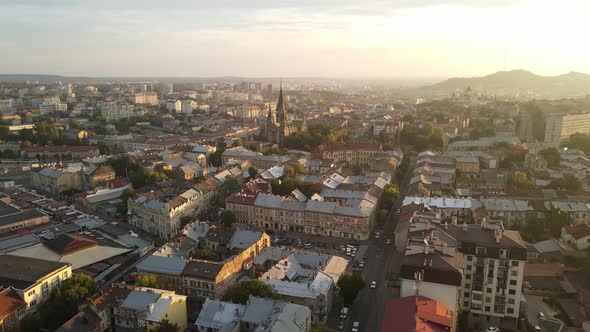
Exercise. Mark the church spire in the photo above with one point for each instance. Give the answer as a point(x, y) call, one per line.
point(281, 110)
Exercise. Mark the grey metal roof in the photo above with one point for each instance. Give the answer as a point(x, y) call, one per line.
point(243, 239)
point(138, 300)
point(163, 265)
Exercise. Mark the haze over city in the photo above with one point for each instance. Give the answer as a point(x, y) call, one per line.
point(327, 38)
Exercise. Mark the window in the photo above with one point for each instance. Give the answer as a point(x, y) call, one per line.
point(466, 303)
point(466, 294)
point(487, 308)
point(511, 291)
point(489, 290)
point(513, 282)
point(469, 258)
point(45, 289)
point(510, 310)
point(488, 299)
point(468, 267)
point(468, 276)
point(510, 301)
point(515, 263)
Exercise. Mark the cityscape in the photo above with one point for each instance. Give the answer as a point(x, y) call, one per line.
point(294, 166)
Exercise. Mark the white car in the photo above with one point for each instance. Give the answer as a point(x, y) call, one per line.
point(492, 329)
point(362, 264)
point(388, 242)
point(376, 235)
point(355, 327)
point(373, 284)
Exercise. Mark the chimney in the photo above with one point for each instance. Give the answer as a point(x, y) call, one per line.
point(464, 226)
point(151, 308)
point(498, 235)
point(446, 225)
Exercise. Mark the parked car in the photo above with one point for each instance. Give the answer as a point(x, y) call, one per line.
point(373, 284)
point(355, 326)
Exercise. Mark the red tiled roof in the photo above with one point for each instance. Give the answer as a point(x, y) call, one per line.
point(63, 148)
point(10, 302)
point(409, 314)
point(244, 198)
point(578, 231)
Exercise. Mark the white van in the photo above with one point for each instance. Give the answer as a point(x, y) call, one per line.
point(344, 313)
point(355, 326)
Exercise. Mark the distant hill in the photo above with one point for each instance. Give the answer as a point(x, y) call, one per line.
point(518, 82)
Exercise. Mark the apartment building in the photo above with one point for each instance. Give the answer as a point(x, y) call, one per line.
point(60, 153)
point(129, 308)
point(113, 111)
point(560, 126)
point(257, 315)
point(353, 154)
point(486, 277)
point(33, 279)
point(145, 98)
point(161, 217)
point(12, 309)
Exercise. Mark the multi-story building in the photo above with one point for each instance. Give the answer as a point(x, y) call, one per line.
point(509, 211)
point(460, 208)
point(113, 111)
point(257, 315)
point(353, 154)
point(489, 258)
point(162, 218)
point(51, 107)
point(145, 98)
point(559, 127)
point(60, 153)
point(12, 309)
point(174, 105)
point(129, 308)
point(313, 286)
point(33, 279)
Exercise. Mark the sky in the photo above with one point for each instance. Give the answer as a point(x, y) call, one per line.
point(293, 38)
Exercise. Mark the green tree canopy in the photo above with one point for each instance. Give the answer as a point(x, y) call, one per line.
point(567, 182)
point(350, 285)
point(552, 156)
point(520, 180)
point(228, 218)
point(239, 293)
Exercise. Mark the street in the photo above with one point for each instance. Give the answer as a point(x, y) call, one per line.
point(383, 261)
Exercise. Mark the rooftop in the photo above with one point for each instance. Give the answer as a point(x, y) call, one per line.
point(22, 272)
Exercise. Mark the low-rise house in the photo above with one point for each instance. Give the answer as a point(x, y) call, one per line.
point(33, 279)
point(577, 235)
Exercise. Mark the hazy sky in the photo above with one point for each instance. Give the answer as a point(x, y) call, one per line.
point(337, 38)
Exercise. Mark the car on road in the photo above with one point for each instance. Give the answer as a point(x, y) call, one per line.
point(376, 235)
point(344, 313)
point(362, 264)
point(492, 329)
point(355, 326)
point(340, 326)
point(308, 245)
point(398, 211)
point(537, 328)
point(373, 284)
point(388, 242)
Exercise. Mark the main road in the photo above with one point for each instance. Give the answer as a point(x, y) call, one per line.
point(382, 261)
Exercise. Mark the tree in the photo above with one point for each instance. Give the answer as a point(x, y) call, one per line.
point(559, 219)
point(166, 326)
point(205, 254)
point(350, 285)
point(381, 216)
point(148, 280)
point(31, 323)
point(125, 195)
point(239, 293)
point(567, 182)
point(228, 218)
point(448, 190)
point(252, 171)
point(237, 142)
point(63, 303)
point(47, 133)
point(552, 156)
point(215, 158)
point(520, 180)
point(4, 133)
point(389, 196)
